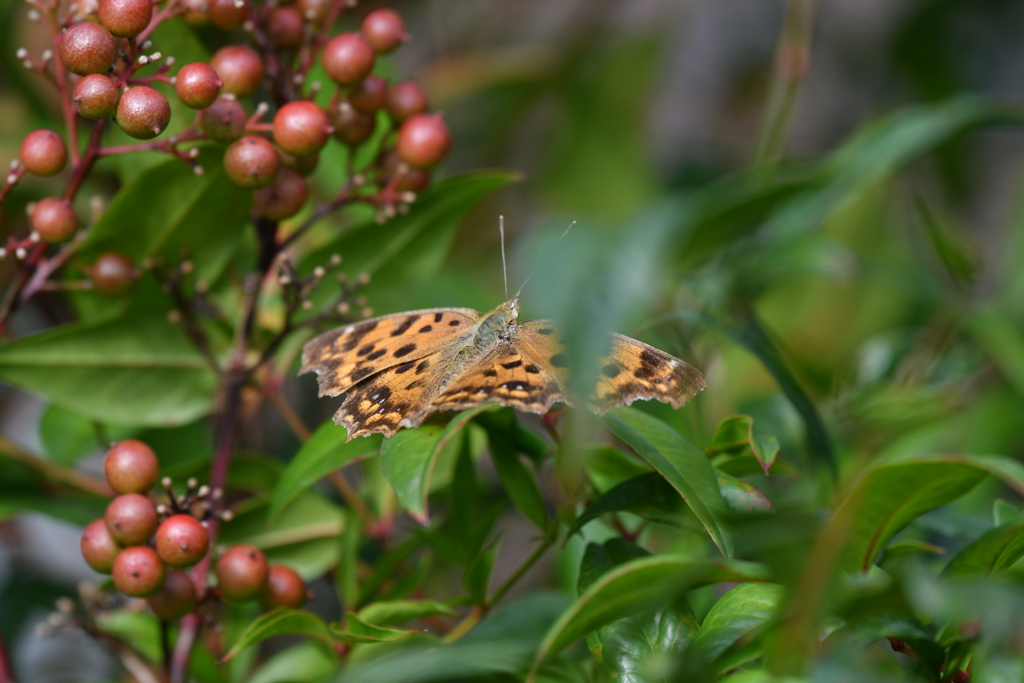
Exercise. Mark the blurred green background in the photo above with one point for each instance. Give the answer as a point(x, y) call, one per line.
point(822, 215)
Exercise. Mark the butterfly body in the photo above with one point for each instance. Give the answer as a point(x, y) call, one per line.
point(398, 370)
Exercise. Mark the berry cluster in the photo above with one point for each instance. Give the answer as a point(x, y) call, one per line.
point(146, 547)
point(106, 69)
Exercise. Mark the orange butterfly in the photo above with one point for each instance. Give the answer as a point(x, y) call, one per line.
point(398, 370)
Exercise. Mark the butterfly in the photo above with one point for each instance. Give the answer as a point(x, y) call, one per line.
point(397, 370)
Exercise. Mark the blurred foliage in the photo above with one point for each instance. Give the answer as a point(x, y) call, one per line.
point(848, 485)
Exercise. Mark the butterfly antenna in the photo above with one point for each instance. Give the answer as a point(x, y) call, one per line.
point(504, 269)
point(531, 274)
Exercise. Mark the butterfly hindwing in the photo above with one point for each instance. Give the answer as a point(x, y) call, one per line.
point(392, 398)
point(346, 356)
point(634, 371)
point(513, 374)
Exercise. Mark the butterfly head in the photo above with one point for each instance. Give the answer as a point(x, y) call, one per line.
point(512, 307)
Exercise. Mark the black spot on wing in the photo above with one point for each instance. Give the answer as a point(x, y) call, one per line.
point(453, 323)
point(421, 368)
point(532, 369)
point(512, 364)
point(438, 317)
point(611, 370)
point(490, 373)
point(426, 328)
point(545, 331)
point(404, 350)
point(376, 354)
point(357, 334)
point(559, 361)
point(405, 367)
point(365, 350)
point(360, 373)
point(404, 327)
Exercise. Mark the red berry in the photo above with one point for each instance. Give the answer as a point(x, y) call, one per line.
point(95, 97)
point(138, 572)
point(240, 69)
point(313, 11)
point(423, 140)
point(181, 541)
point(227, 14)
point(347, 58)
point(197, 85)
point(285, 27)
point(113, 274)
point(175, 599)
point(54, 219)
point(195, 12)
point(251, 162)
point(370, 95)
point(131, 467)
point(241, 573)
point(352, 126)
point(283, 198)
point(383, 29)
point(98, 548)
point(131, 519)
point(142, 112)
point(87, 48)
point(224, 120)
point(406, 100)
point(43, 153)
point(125, 18)
point(285, 588)
point(301, 128)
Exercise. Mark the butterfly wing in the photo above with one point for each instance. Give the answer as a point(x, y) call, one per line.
point(517, 373)
point(634, 371)
point(389, 399)
point(348, 355)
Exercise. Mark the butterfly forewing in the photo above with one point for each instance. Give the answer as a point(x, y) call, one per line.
point(635, 371)
point(348, 355)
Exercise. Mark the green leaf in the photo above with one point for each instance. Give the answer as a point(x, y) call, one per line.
point(685, 467)
point(409, 456)
point(519, 481)
point(892, 493)
point(66, 435)
point(734, 440)
point(743, 609)
point(1003, 512)
point(139, 371)
point(478, 573)
point(752, 335)
point(281, 621)
point(397, 611)
point(628, 647)
point(637, 586)
point(358, 631)
point(324, 452)
point(347, 572)
point(168, 208)
point(648, 496)
point(994, 551)
point(306, 662)
point(742, 496)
